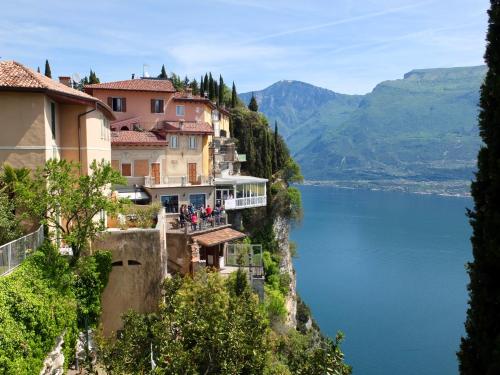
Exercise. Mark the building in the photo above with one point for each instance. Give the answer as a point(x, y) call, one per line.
point(41, 119)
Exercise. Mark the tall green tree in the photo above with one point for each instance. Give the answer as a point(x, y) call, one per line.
point(194, 87)
point(234, 96)
point(93, 78)
point(480, 349)
point(48, 72)
point(163, 73)
point(220, 95)
point(211, 87)
point(253, 106)
point(202, 86)
point(206, 84)
point(69, 202)
point(38, 69)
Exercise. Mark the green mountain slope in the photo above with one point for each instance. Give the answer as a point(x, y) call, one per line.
point(422, 127)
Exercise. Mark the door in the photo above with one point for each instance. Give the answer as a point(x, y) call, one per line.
point(192, 173)
point(155, 173)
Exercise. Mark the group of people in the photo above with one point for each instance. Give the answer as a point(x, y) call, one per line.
point(203, 216)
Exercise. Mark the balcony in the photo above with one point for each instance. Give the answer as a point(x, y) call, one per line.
point(177, 181)
point(240, 192)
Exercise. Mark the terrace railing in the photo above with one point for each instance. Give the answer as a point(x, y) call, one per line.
point(245, 255)
point(13, 253)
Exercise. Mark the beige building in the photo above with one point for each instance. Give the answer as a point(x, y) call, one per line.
point(42, 119)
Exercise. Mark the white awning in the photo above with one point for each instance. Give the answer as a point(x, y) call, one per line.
point(132, 195)
point(239, 180)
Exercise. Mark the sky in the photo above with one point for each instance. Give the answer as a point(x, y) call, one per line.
point(344, 45)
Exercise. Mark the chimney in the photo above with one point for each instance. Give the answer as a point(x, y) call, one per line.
point(66, 81)
point(133, 75)
point(189, 92)
point(181, 124)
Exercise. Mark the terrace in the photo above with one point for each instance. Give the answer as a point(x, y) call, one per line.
point(239, 192)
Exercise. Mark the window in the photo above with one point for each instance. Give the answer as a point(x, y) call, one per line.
point(179, 110)
point(197, 200)
point(53, 119)
point(192, 142)
point(118, 104)
point(126, 169)
point(105, 129)
point(170, 202)
point(156, 105)
point(141, 168)
point(174, 142)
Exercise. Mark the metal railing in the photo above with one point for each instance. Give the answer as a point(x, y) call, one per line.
point(149, 181)
point(245, 255)
point(236, 203)
point(13, 253)
point(186, 225)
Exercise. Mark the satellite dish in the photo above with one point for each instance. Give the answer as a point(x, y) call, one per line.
point(76, 77)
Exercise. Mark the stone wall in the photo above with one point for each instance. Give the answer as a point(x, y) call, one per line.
point(139, 268)
point(54, 363)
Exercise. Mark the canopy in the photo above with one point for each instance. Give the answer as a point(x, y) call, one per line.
point(217, 237)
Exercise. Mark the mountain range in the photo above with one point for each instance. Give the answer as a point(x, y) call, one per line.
point(422, 127)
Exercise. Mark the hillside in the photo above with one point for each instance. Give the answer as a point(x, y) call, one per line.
point(422, 127)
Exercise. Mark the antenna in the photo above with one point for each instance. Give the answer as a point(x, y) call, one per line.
point(145, 70)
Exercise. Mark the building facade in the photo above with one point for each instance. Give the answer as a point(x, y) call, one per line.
point(41, 119)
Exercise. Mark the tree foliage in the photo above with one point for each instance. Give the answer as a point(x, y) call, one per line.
point(163, 73)
point(205, 326)
point(69, 202)
point(37, 305)
point(48, 72)
point(480, 349)
point(253, 106)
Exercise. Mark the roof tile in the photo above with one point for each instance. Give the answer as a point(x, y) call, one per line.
point(135, 138)
point(162, 85)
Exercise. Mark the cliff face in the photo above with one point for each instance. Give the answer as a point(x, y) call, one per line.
point(282, 230)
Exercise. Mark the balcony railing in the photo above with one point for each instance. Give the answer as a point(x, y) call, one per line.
point(248, 202)
point(245, 255)
point(174, 222)
point(150, 181)
point(13, 253)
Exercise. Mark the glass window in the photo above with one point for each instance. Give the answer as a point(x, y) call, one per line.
point(157, 105)
point(117, 105)
point(171, 203)
point(197, 200)
point(53, 119)
point(192, 142)
point(174, 141)
point(179, 110)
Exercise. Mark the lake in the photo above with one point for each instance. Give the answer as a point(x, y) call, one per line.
point(387, 269)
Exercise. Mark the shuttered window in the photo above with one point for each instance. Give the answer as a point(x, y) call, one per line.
point(141, 168)
point(126, 169)
point(118, 104)
point(156, 105)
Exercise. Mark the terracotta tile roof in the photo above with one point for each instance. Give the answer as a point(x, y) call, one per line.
point(183, 96)
point(15, 76)
point(129, 123)
point(217, 237)
point(163, 85)
point(190, 127)
point(135, 138)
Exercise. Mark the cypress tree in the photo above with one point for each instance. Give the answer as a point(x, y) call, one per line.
point(38, 70)
point(234, 96)
point(194, 87)
point(93, 77)
point(253, 106)
point(48, 73)
point(211, 87)
point(275, 148)
point(205, 84)
point(163, 73)
point(220, 95)
point(480, 349)
point(202, 84)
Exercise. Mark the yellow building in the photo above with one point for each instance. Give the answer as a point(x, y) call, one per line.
point(42, 119)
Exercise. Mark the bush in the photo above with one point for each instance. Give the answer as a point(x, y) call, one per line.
point(37, 305)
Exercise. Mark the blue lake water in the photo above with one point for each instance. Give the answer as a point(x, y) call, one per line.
point(387, 269)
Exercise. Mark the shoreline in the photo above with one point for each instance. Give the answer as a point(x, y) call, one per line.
point(454, 188)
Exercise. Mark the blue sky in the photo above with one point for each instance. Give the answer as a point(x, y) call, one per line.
point(344, 45)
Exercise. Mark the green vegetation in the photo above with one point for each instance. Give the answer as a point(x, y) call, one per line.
point(10, 228)
point(67, 202)
point(252, 105)
point(422, 127)
point(48, 72)
point(37, 305)
point(479, 350)
point(211, 325)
